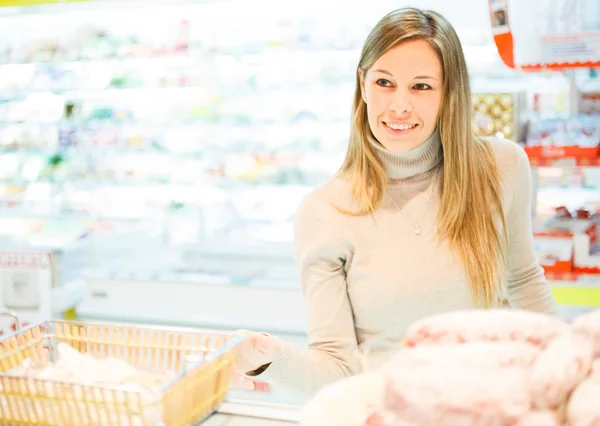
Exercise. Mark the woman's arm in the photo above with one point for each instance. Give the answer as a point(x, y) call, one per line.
point(527, 285)
point(321, 251)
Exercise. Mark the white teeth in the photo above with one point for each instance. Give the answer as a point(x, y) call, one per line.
point(400, 126)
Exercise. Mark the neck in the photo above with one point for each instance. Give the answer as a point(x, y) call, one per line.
point(418, 160)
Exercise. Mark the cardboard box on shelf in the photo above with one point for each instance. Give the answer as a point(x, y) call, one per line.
point(586, 254)
point(566, 243)
point(555, 253)
point(499, 114)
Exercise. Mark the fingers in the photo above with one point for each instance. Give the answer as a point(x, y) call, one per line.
point(256, 350)
point(240, 381)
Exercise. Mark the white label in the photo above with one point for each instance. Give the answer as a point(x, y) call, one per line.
point(26, 283)
point(555, 31)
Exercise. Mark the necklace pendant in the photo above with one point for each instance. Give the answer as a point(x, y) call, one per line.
point(417, 230)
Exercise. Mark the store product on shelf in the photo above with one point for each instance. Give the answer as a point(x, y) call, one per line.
point(586, 252)
point(589, 101)
point(576, 137)
point(441, 381)
point(499, 114)
point(567, 242)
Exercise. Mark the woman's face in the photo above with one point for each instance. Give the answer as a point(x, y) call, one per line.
point(403, 92)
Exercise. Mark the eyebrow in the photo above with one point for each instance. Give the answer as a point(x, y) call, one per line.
point(418, 77)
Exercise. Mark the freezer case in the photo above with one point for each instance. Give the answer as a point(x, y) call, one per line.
point(253, 413)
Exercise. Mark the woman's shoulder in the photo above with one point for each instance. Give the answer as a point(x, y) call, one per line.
point(511, 158)
point(331, 197)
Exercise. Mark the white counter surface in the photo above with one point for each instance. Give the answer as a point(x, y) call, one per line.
point(246, 413)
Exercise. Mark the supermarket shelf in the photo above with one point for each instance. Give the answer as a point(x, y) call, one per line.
point(212, 304)
point(184, 59)
point(239, 412)
point(67, 296)
point(576, 295)
point(564, 162)
point(573, 289)
point(573, 277)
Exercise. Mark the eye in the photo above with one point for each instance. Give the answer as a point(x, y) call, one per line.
point(383, 82)
point(422, 86)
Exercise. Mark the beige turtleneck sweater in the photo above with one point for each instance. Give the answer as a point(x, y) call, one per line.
point(366, 279)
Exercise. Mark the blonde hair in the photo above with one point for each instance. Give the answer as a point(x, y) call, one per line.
point(471, 198)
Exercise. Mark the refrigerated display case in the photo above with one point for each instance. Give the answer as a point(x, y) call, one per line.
point(244, 413)
point(178, 139)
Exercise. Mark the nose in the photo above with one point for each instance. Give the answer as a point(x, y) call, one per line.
point(401, 102)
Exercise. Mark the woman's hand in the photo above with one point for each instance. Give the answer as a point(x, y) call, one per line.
point(256, 351)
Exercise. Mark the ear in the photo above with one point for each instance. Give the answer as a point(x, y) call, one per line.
point(361, 76)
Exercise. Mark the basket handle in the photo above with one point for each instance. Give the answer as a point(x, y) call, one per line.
point(13, 316)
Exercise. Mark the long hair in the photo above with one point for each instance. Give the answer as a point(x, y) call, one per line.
point(470, 216)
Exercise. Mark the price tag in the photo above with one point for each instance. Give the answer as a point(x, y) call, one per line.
point(565, 163)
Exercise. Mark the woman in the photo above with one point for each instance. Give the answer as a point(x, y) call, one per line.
point(422, 218)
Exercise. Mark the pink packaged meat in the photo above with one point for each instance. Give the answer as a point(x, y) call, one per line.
point(475, 354)
point(349, 402)
point(583, 408)
point(540, 418)
point(590, 323)
point(559, 368)
point(596, 369)
point(440, 396)
point(485, 325)
point(385, 418)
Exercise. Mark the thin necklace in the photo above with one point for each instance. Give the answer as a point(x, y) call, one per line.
point(415, 226)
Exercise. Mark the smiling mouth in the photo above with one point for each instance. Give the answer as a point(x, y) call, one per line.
point(400, 127)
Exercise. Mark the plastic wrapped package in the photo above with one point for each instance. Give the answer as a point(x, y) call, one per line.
point(386, 418)
point(590, 323)
point(583, 408)
point(87, 373)
point(559, 368)
point(596, 369)
point(485, 325)
point(474, 354)
point(540, 418)
point(73, 366)
point(349, 402)
point(436, 395)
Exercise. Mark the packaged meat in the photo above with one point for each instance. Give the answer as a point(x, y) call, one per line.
point(474, 354)
point(583, 408)
point(436, 395)
point(349, 402)
point(87, 371)
point(385, 418)
point(540, 418)
point(559, 368)
point(590, 323)
point(595, 374)
point(72, 366)
point(485, 325)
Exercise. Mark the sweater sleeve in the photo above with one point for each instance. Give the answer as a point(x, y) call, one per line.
point(527, 285)
point(321, 252)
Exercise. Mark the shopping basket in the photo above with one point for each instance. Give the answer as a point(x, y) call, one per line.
point(198, 363)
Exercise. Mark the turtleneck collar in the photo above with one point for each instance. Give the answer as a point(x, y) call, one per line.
point(418, 160)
